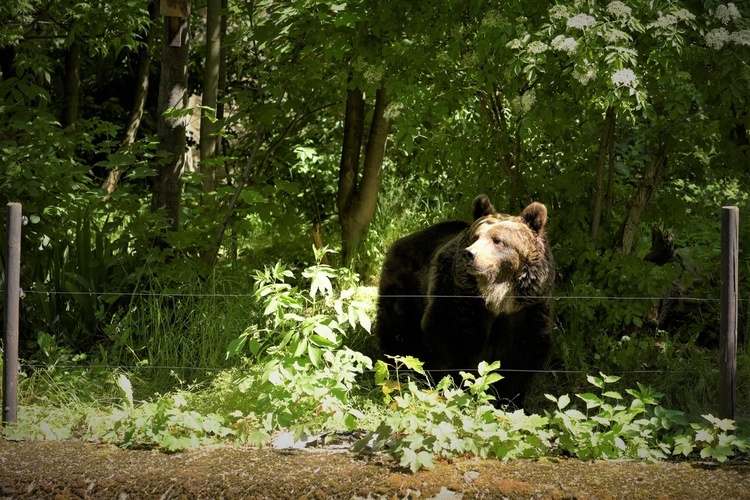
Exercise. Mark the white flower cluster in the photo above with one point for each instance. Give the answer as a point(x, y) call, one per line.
point(614, 36)
point(373, 74)
point(741, 37)
point(585, 75)
point(717, 38)
point(393, 110)
point(492, 19)
point(581, 21)
point(567, 45)
point(523, 103)
point(624, 78)
point(514, 44)
point(684, 15)
point(537, 47)
point(672, 18)
point(727, 13)
point(558, 12)
point(618, 9)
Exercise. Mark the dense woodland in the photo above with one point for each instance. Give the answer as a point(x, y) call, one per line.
point(165, 155)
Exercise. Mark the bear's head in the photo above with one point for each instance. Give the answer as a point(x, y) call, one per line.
point(500, 251)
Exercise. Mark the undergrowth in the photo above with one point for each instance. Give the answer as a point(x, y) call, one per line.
point(295, 371)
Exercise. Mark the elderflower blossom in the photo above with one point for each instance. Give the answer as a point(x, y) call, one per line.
point(727, 13)
point(684, 15)
point(615, 35)
point(523, 103)
point(624, 78)
point(618, 9)
point(717, 38)
point(581, 21)
point(373, 74)
point(741, 37)
point(537, 47)
point(393, 110)
point(492, 19)
point(664, 21)
point(558, 12)
point(586, 75)
point(515, 44)
point(567, 45)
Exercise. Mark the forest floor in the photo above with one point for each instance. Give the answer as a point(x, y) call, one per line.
point(76, 469)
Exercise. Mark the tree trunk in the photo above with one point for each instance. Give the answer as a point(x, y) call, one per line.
point(209, 141)
point(139, 103)
point(508, 145)
point(357, 197)
point(7, 61)
point(652, 178)
point(72, 83)
point(608, 134)
point(171, 131)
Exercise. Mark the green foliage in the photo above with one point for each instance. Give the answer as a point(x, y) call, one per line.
point(308, 373)
point(448, 421)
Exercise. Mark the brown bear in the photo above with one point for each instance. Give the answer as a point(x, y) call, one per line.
point(455, 294)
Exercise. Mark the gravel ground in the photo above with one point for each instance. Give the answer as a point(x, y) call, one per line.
point(75, 469)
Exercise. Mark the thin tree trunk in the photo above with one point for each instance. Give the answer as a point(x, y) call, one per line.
point(72, 83)
point(357, 198)
point(139, 103)
point(171, 131)
point(652, 179)
point(610, 198)
point(7, 61)
point(354, 129)
point(209, 141)
point(509, 147)
point(599, 193)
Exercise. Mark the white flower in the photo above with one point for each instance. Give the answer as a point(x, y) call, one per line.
point(717, 38)
point(392, 110)
point(492, 19)
point(568, 45)
point(586, 75)
point(558, 12)
point(684, 15)
point(727, 13)
point(373, 74)
point(741, 37)
point(537, 47)
point(624, 78)
point(514, 44)
point(618, 9)
point(581, 21)
point(665, 21)
point(614, 35)
point(523, 103)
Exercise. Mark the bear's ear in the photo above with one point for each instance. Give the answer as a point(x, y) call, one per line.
point(482, 207)
point(535, 216)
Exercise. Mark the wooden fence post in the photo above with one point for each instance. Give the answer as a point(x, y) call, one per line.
point(730, 217)
point(12, 302)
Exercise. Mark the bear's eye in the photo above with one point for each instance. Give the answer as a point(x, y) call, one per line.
point(496, 240)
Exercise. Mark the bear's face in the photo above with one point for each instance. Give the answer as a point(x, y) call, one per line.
point(498, 251)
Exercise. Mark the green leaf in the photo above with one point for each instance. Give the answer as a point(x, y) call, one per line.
point(381, 371)
point(563, 402)
point(592, 400)
point(413, 363)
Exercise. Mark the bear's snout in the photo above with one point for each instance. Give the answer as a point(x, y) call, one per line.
point(468, 255)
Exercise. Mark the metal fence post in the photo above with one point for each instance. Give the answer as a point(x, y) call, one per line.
point(12, 302)
point(730, 217)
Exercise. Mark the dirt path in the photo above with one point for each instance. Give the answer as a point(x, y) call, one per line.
point(74, 469)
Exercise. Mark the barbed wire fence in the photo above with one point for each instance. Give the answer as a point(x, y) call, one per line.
point(729, 303)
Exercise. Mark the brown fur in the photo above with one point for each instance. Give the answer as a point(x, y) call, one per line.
point(477, 291)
